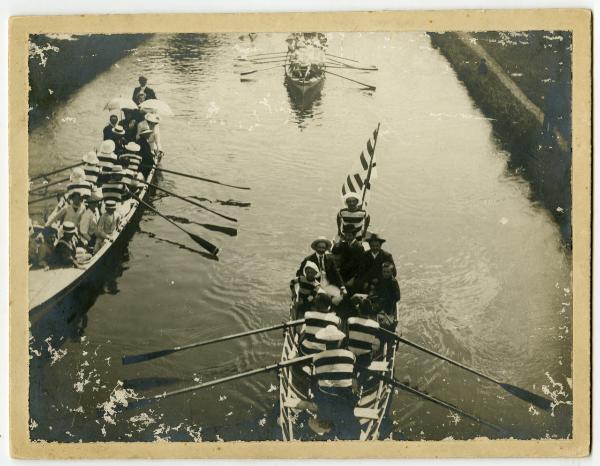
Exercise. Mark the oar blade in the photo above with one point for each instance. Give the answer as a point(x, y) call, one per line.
point(245, 73)
point(136, 358)
point(218, 228)
point(214, 250)
point(530, 397)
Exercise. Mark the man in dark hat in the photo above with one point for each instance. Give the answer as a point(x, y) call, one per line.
point(331, 280)
point(371, 263)
point(384, 293)
point(143, 89)
point(348, 253)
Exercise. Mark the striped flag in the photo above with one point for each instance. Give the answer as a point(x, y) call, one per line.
point(364, 171)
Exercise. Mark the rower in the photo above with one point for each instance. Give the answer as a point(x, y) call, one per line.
point(91, 168)
point(71, 212)
point(335, 399)
point(107, 224)
point(316, 319)
point(305, 288)
point(65, 252)
point(89, 221)
point(353, 214)
point(146, 152)
point(106, 158)
point(363, 331)
point(114, 188)
point(78, 183)
point(119, 139)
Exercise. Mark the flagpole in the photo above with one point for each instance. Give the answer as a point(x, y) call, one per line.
point(368, 179)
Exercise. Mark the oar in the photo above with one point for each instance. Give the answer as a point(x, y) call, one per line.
point(269, 53)
point(53, 196)
point(368, 86)
point(159, 354)
point(187, 200)
point(341, 58)
point(47, 185)
point(214, 250)
point(521, 393)
point(352, 67)
point(209, 226)
point(45, 175)
point(439, 402)
point(194, 177)
point(212, 383)
point(265, 62)
point(245, 73)
point(333, 67)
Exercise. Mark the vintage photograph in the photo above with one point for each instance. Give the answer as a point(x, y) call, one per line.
point(306, 235)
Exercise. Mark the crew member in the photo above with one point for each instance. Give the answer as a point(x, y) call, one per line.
point(348, 252)
point(114, 188)
point(371, 263)
point(384, 293)
point(106, 158)
point(69, 213)
point(316, 319)
point(65, 252)
point(305, 288)
point(353, 214)
point(113, 120)
point(143, 89)
point(107, 224)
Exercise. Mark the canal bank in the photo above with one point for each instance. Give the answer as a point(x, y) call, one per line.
point(59, 64)
point(522, 83)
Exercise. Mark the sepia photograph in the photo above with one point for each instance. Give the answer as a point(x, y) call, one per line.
point(301, 235)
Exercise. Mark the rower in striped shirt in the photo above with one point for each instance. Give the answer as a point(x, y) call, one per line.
point(91, 168)
point(114, 188)
point(106, 158)
point(353, 214)
point(315, 320)
point(305, 288)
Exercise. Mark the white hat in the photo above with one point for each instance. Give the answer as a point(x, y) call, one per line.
point(330, 333)
point(321, 239)
point(152, 117)
point(69, 227)
point(77, 174)
point(118, 129)
point(96, 195)
point(110, 204)
point(91, 158)
point(107, 146)
point(310, 265)
point(351, 195)
point(132, 146)
point(116, 168)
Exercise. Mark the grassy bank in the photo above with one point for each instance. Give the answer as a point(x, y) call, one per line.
point(540, 66)
point(61, 64)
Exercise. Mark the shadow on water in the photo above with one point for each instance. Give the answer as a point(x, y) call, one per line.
point(304, 105)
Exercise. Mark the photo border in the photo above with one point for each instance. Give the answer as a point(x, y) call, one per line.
point(576, 20)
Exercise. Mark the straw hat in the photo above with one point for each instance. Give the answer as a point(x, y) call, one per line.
point(110, 204)
point(116, 169)
point(77, 174)
point(320, 239)
point(91, 158)
point(146, 131)
point(107, 146)
point(118, 129)
point(69, 227)
point(96, 196)
point(152, 117)
point(132, 146)
point(330, 333)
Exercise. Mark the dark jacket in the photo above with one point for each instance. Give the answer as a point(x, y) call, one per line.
point(349, 257)
point(370, 268)
point(149, 93)
point(384, 294)
point(331, 270)
point(147, 157)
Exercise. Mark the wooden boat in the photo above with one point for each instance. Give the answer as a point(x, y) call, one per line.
point(304, 88)
point(48, 287)
point(295, 392)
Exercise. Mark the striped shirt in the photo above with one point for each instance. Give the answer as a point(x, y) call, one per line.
point(315, 321)
point(84, 188)
point(334, 368)
point(113, 190)
point(362, 335)
point(355, 218)
point(307, 290)
point(106, 161)
point(128, 177)
point(91, 172)
point(133, 160)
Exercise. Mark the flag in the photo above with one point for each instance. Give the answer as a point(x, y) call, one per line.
point(364, 171)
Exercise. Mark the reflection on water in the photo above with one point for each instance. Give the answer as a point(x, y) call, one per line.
point(483, 276)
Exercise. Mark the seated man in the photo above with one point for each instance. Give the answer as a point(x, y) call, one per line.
point(384, 293)
point(106, 159)
point(353, 214)
point(348, 252)
point(363, 332)
point(114, 188)
point(330, 278)
point(371, 262)
point(89, 221)
point(65, 252)
point(305, 288)
point(316, 319)
point(107, 224)
point(71, 212)
point(40, 250)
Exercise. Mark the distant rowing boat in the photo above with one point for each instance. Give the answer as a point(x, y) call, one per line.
point(306, 89)
point(49, 287)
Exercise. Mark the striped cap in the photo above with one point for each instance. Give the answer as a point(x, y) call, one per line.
point(69, 227)
point(330, 333)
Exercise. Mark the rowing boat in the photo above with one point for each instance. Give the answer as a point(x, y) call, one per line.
point(295, 392)
point(47, 288)
point(304, 88)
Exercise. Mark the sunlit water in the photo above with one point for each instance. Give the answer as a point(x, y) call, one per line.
point(483, 275)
